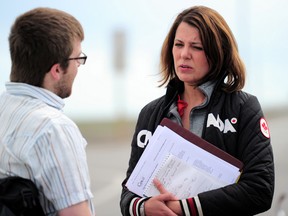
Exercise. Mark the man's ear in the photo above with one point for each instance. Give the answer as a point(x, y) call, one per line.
point(55, 71)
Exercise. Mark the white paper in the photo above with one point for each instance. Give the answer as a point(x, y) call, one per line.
point(173, 176)
point(164, 142)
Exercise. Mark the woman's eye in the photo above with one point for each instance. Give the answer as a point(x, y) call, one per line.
point(178, 44)
point(198, 48)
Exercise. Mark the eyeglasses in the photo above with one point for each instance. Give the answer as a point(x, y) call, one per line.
point(81, 59)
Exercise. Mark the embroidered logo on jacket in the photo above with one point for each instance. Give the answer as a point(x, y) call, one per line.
point(224, 126)
point(143, 138)
point(264, 128)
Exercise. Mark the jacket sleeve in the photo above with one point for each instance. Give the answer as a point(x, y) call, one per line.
point(148, 119)
point(126, 195)
point(129, 202)
point(254, 191)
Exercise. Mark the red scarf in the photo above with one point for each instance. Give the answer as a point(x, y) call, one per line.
point(181, 105)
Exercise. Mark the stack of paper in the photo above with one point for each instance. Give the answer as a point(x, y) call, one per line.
point(185, 164)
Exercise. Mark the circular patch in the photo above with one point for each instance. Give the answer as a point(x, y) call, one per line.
point(234, 120)
point(264, 128)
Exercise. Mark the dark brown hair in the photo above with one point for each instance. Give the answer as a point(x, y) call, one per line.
point(39, 39)
point(219, 45)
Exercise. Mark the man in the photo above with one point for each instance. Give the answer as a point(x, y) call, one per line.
point(37, 141)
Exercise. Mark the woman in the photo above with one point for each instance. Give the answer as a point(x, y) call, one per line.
point(205, 75)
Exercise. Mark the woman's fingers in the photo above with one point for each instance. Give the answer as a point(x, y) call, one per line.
point(168, 196)
point(159, 186)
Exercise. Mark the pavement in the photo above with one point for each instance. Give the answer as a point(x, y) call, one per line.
point(108, 161)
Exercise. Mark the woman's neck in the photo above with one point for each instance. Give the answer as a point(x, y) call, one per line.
point(193, 96)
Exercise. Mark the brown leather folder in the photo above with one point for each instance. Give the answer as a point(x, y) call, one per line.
point(196, 140)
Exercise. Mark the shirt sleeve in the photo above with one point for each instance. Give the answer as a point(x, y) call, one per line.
point(60, 165)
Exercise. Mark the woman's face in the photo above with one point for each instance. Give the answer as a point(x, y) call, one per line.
point(190, 62)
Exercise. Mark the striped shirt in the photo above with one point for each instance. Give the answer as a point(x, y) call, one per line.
point(37, 141)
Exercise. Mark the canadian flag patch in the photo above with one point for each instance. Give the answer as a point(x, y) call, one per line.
point(264, 128)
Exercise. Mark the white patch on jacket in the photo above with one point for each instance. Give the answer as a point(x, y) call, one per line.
point(224, 126)
point(143, 135)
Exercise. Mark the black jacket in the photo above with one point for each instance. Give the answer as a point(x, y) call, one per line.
point(235, 124)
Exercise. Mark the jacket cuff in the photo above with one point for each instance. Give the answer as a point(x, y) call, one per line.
point(191, 207)
point(135, 204)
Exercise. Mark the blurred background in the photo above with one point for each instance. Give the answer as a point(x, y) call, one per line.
point(123, 39)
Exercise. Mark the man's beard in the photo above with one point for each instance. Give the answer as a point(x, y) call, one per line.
point(63, 90)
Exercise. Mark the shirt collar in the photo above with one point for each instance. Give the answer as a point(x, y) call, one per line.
point(23, 89)
point(207, 89)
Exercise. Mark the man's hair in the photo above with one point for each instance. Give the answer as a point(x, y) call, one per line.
point(219, 45)
point(39, 39)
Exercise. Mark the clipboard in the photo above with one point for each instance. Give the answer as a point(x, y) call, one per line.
point(188, 135)
point(174, 142)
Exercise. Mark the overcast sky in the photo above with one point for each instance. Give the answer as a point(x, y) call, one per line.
point(103, 92)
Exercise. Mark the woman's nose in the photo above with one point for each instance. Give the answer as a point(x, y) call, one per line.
point(185, 53)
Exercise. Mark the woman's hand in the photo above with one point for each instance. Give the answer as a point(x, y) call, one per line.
point(165, 204)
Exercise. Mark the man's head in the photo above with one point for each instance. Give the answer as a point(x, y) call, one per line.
point(39, 39)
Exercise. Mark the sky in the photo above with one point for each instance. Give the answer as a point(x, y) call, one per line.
point(102, 91)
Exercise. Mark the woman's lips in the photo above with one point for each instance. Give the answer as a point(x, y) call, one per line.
point(185, 67)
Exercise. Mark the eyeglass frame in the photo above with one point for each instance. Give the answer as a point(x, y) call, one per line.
point(81, 59)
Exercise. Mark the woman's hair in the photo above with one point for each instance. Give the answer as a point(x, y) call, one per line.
point(39, 39)
point(218, 43)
